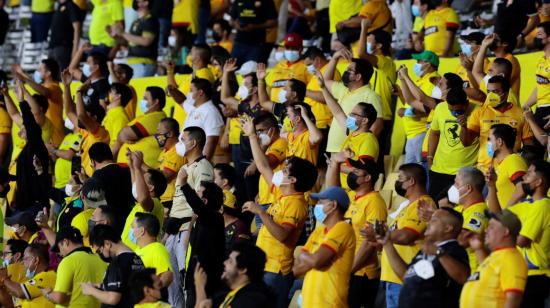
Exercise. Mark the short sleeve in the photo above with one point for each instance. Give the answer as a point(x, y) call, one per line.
point(150, 29)
point(376, 211)
point(162, 263)
point(279, 110)
point(375, 100)
point(312, 239)
point(453, 23)
point(75, 144)
point(366, 10)
point(513, 274)
point(73, 12)
point(474, 221)
point(64, 281)
point(80, 222)
point(338, 90)
point(517, 169)
point(213, 123)
point(473, 120)
point(435, 119)
point(269, 9)
point(113, 279)
point(172, 162)
point(294, 213)
point(101, 135)
point(277, 151)
point(30, 290)
point(410, 219)
point(526, 132)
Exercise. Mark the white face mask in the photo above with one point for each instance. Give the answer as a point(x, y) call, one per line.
point(311, 69)
point(486, 79)
point(189, 99)
point(69, 124)
point(282, 96)
point(243, 92)
point(453, 195)
point(172, 41)
point(265, 140)
point(278, 178)
point(134, 190)
point(69, 190)
point(279, 56)
point(436, 93)
point(180, 149)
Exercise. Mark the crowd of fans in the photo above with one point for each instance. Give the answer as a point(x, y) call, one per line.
point(261, 185)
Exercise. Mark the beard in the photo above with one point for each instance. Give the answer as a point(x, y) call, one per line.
point(229, 277)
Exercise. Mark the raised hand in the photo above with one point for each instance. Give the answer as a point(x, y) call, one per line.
point(66, 77)
point(247, 125)
point(261, 71)
point(230, 65)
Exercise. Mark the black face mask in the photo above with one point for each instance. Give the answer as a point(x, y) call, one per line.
point(161, 139)
point(527, 189)
point(352, 181)
point(345, 78)
point(399, 188)
point(216, 36)
point(538, 43)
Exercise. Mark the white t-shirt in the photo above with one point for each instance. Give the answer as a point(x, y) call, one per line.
point(206, 116)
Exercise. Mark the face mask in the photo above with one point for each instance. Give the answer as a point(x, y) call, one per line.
point(417, 68)
point(538, 43)
point(493, 99)
point(351, 124)
point(278, 178)
point(69, 124)
point(292, 55)
point(279, 56)
point(131, 236)
point(527, 189)
point(110, 79)
point(265, 140)
point(370, 48)
point(436, 93)
point(37, 78)
point(134, 191)
point(86, 70)
point(415, 9)
point(91, 225)
point(456, 113)
point(69, 190)
point(161, 140)
point(15, 229)
point(190, 100)
point(466, 49)
point(320, 215)
point(217, 37)
point(490, 150)
point(29, 274)
point(352, 181)
point(453, 195)
point(486, 79)
point(243, 92)
point(180, 149)
point(345, 78)
point(311, 69)
point(143, 105)
point(6, 262)
point(399, 188)
point(172, 41)
point(282, 96)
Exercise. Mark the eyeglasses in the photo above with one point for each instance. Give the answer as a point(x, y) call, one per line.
point(6, 253)
point(357, 115)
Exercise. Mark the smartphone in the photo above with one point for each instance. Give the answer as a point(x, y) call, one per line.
point(76, 165)
point(379, 228)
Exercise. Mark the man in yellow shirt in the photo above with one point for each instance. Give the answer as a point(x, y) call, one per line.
point(123, 73)
point(305, 137)
point(327, 257)
point(405, 226)
point(146, 287)
point(12, 259)
point(169, 160)
point(374, 14)
point(285, 218)
point(534, 237)
point(500, 279)
point(108, 13)
point(440, 26)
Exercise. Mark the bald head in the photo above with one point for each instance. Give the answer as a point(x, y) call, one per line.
point(453, 219)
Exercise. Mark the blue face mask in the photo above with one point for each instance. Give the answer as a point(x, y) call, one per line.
point(292, 55)
point(29, 274)
point(490, 150)
point(417, 68)
point(143, 105)
point(131, 236)
point(351, 124)
point(110, 79)
point(415, 9)
point(466, 49)
point(311, 69)
point(5, 262)
point(86, 70)
point(37, 78)
point(456, 113)
point(370, 48)
point(320, 215)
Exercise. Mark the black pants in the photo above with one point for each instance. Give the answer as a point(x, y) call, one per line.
point(322, 21)
point(536, 291)
point(362, 291)
point(439, 184)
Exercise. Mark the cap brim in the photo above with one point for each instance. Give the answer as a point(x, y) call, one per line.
point(317, 196)
point(490, 215)
point(417, 56)
point(12, 220)
point(355, 163)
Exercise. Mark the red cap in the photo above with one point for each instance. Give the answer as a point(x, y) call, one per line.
point(292, 40)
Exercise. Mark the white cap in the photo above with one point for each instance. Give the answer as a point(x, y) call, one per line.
point(248, 67)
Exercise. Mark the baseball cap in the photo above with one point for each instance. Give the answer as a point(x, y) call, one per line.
point(292, 40)
point(67, 233)
point(334, 193)
point(93, 193)
point(23, 219)
point(364, 164)
point(507, 219)
point(247, 68)
point(427, 56)
point(476, 37)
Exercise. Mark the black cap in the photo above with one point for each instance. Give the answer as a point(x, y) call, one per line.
point(476, 37)
point(67, 233)
point(23, 219)
point(363, 163)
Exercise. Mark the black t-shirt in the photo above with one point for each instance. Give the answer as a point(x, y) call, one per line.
point(162, 9)
point(245, 155)
point(438, 291)
point(61, 29)
point(117, 275)
point(4, 25)
point(98, 90)
point(253, 12)
point(251, 295)
point(140, 26)
point(512, 19)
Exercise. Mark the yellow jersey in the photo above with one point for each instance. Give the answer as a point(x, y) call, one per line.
point(535, 225)
point(105, 13)
point(235, 131)
point(543, 81)
point(415, 126)
point(31, 289)
point(290, 210)
point(382, 82)
point(329, 286)
point(170, 161)
point(115, 120)
point(158, 304)
point(407, 218)
point(378, 12)
point(55, 111)
point(362, 145)
point(155, 255)
point(88, 139)
point(340, 10)
point(516, 74)
point(475, 221)
point(80, 221)
point(508, 171)
point(42, 6)
point(62, 169)
point(323, 115)
point(186, 14)
point(437, 25)
point(5, 122)
point(130, 108)
point(504, 270)
point(17, 272)
point(362, 210)
point(282, 72)
point(158, 211)
point(299, 146)
point(418, 24)
point(277, 150)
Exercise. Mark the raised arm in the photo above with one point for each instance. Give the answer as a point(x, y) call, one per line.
point(227, 99)
point(39, 116)
point(328, 75)
point(315, 134)
point(477, 70)
point(331, 102)
point(143, 195)
point(263, 96)
point(90, 124)
point(11, 108)
point(74, 66)
point(68, 104)
point(363, 54)
point(258, 154)
point(40, 89)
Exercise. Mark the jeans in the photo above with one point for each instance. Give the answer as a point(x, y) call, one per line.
point(257, 218)
point(280, 286)
point(392, 294)
point(40, 26)
point(204, 18)
point(143, 70)
point(164, 31)
point(62, 55)
point(178, 252)
point(413, 149)
point(130, 15)
point(536, 291)
point(362, 291)
point(244, 52)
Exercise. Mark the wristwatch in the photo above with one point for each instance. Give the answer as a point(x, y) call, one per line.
point(440, 251)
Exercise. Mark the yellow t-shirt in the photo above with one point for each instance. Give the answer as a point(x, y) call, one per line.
point(408, 219)
point(62, 166)
point(132, 105)
point(80, 221)
point(378, 12)
point(169, 160)
point(463, 73)
point(476, 221)
point(31, 289)
point(340, 10)
point(75, 268)
point(158, 304)
point(299, 146)
point(382, 82)
point(291, 210)
point(363, 145)
point(234, 131)
point(16, 272)
point(415, 126)
point(543, 81)
point(277, 150)
point(55, 111)
point(88, 139)
point(347, 100)
point(158, 211)
point(229, 198)
point(322, 113)
point(155, 255)
point(437, 24)
point(42, 6)
point(418, 24)
point(5, 122)
point(363, 209)
point(451, 155)
point(516, 73)
point(328, 287)
point(227, 45)
point(283, 71)
point(186, 13)
point(105, 13)
point(535, 225)
point(502, 271)
point(484, 117)
point(115, 120)
point(509, 170)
